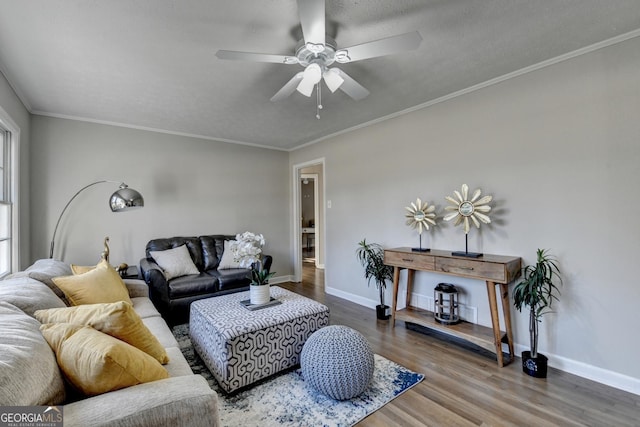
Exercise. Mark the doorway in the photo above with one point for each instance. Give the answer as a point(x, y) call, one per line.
point(308, 228)
point(308, 216)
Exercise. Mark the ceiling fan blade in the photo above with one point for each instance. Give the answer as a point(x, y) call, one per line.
point(386, 46)
point(351, 87)
point(256, 57)
point(312, 19)
point(288, 88)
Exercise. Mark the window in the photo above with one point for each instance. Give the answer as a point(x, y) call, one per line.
point(9, 259)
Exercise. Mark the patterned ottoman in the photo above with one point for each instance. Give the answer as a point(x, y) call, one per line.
point(240, 346)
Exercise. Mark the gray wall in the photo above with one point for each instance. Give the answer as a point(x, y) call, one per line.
point(558, 149)
point(12, 105)
point(191, 187)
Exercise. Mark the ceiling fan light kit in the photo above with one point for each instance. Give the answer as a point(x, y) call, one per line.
point(317, 52)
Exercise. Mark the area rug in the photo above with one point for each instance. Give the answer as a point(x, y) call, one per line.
point(286, 400)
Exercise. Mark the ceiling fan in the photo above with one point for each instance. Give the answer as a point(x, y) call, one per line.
point(317, 52)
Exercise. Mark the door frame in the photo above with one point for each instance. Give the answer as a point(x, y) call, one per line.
point(296, 226)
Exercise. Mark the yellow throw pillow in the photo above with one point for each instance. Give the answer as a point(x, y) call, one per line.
point(96, 363)
point(81, 269)
point(102, 284)
point(117, 319)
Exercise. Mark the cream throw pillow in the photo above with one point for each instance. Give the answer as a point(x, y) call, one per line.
point(175, 262)
point(117, 319)
point(96, 363)
point(100, 285)
point(227, 260)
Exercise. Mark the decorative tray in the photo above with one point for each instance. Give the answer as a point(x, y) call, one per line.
point(247, 304)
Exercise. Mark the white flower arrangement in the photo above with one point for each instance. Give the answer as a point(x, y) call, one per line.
point(247, 251)
point(247, 248)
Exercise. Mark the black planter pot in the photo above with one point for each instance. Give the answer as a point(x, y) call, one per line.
point(382, 312)
point(534, 366)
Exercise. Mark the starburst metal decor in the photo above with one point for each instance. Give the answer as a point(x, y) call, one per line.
point(419, 216)
point(463, 209)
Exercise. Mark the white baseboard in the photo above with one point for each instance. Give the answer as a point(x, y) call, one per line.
point(353, 298)
point(584, 370)
point(280, 279)
point(581, 369)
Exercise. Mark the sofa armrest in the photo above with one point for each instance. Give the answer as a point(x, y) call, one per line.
point(177, 401)
point(158, 285)
point(136, 288)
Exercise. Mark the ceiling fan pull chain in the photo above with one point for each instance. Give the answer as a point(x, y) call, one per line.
point(319, 99)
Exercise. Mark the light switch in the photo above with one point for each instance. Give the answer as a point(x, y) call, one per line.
point(328, 204)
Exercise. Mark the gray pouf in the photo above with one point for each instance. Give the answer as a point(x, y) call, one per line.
point(337, 361)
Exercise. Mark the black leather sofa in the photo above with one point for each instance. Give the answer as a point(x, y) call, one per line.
point(173, 298)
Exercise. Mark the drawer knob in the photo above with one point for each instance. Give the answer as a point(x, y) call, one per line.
point(466, 268)
point(407, 260)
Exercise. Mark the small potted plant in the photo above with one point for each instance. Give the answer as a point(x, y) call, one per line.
point(247, 250)
point(371, 256)
point(537, 291)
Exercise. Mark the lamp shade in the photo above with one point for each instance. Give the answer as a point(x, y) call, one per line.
point(125, 198)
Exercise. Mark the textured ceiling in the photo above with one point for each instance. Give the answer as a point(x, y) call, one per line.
point(151, 63)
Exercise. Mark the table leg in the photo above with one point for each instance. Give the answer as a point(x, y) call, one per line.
point(495, 321)
point(506, 311)
point(410, 275)
point(394, 302)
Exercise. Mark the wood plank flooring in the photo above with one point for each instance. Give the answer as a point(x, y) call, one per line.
point(467, 388)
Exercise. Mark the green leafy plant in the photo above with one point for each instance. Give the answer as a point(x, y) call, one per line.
point(371, 256)
point(260, 277)
point(537, 291)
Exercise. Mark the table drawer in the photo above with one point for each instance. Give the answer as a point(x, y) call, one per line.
point(414, 261)
point(471, 268)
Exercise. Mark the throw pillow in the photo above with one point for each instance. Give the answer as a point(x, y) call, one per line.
point(100, 285)
point(117, 319)
point(81, 269)
point(28, 295)
point(44, 270)
point(227, 260)
point(175, 262)
point(97, 363)
point(29, 374)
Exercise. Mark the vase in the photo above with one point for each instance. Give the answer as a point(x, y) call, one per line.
point(259, 294)
point(536, 367)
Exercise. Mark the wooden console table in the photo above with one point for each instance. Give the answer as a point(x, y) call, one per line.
point(495, 270)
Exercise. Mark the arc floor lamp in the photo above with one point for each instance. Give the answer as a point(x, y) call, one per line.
point(123, 199)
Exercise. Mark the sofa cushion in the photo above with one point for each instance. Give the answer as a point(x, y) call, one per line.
point(116, 319)
point(175, 262)
point(96, 363)
point(100, 285)
point(44, 270)
point(28, 295)
point(161, 331)
point(144, 307)
point(234, 278)
point(192, 285)
point(29, 374)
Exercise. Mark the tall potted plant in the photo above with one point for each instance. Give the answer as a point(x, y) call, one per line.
point(371, 256)
point(537, 291)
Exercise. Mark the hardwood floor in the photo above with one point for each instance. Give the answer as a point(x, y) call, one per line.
point(465, 388)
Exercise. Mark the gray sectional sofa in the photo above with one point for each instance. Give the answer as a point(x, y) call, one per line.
point(29, 374)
